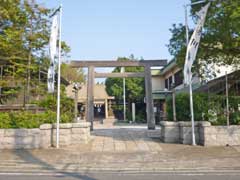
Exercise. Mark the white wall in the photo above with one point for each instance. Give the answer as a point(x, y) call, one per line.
point(158, 83)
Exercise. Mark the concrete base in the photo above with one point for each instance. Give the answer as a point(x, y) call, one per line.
point(45, 136)
point(205, 134)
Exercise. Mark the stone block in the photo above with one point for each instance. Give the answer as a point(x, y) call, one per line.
point(204, 123)
point(45, 126)
point(34, 131)
point(9, 132)
point(2, 132)
point(81, 125)
point(8, 140)
point(170, 135)
point(168, 123)
point(186, 134)
point(79, 131)
point(63, 125)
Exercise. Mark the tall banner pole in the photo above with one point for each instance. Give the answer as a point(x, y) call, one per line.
point(124, 98)
point(59, 77)
point(191, 109)
point(192, 48)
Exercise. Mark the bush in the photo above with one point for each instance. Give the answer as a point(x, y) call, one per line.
point(209, 107)
point(26, 119)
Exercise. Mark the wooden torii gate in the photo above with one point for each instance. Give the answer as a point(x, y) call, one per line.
point(147, 64)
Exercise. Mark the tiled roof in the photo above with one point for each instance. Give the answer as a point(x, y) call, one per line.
point(99, 92)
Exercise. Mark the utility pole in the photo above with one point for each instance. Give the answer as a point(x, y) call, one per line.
point(227, 100)
point(124, 95)
point(76, 88)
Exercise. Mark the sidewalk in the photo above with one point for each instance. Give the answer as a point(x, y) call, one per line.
point(78, 159)
point(122, 148)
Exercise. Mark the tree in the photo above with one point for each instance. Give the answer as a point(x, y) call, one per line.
point(72, 74)
point(221, 35)
point(24, 37)
point(134, 86)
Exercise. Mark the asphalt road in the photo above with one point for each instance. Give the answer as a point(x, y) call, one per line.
point(125, 176)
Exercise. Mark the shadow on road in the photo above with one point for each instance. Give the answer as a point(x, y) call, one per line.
point(28, 157)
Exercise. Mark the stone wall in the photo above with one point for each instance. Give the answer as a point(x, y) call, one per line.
point(220, 135)
point(169, 131)
point(206, 134)
point(45, 136)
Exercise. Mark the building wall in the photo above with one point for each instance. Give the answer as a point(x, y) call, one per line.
point(157, 83)
point(171, 72)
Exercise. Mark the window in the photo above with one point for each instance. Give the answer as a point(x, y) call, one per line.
point(170, 82)
point(166, 83)
point(178, 78)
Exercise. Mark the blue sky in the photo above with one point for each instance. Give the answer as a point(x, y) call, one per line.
point(107, 29)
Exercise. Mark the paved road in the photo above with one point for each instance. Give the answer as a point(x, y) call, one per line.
point(128, 176)
point(123, 149)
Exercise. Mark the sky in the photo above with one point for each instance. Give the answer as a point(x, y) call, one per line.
point(108, 29)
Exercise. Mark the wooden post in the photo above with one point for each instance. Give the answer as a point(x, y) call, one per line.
point(174, 104)
point(106, 108)
point(149, 99)
point(133, 112)
point(1, 74)
point(76, 105)
point(90, 86)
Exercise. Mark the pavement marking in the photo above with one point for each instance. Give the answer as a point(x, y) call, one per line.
point(162, 173)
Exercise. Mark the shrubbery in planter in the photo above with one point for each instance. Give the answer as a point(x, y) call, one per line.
point(27, 119)
point(24, 119)
point(207, 107)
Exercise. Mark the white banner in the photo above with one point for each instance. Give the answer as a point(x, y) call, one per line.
point(51, 78)
point(52, 52)
point(53, 38)
point(193, 45)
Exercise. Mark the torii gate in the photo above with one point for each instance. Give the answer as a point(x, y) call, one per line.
point(147, 64)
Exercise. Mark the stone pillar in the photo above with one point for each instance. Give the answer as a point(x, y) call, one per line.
point(90, 98)
point(106, 109)
point(76, 105)
point(170, 131)
point(149, 99)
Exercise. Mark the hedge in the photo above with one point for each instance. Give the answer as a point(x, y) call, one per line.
point(24, 119)
point(27, 119)
point(208, 107)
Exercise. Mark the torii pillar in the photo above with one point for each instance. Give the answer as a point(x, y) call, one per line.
point(149, 99)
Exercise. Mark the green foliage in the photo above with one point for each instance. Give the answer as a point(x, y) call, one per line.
point(67, 106)
point(206, 107)
point(25, 119)
point(221, 35)
point(72, 74)
point(24, 36)
point(134, 90)
point(134, 86)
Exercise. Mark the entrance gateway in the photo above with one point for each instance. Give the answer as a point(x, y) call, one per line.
point(147, 64)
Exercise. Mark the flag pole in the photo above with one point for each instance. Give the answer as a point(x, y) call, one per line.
point(190, 80)
point(191, 55)
point(59, 77)
point(191, 109)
